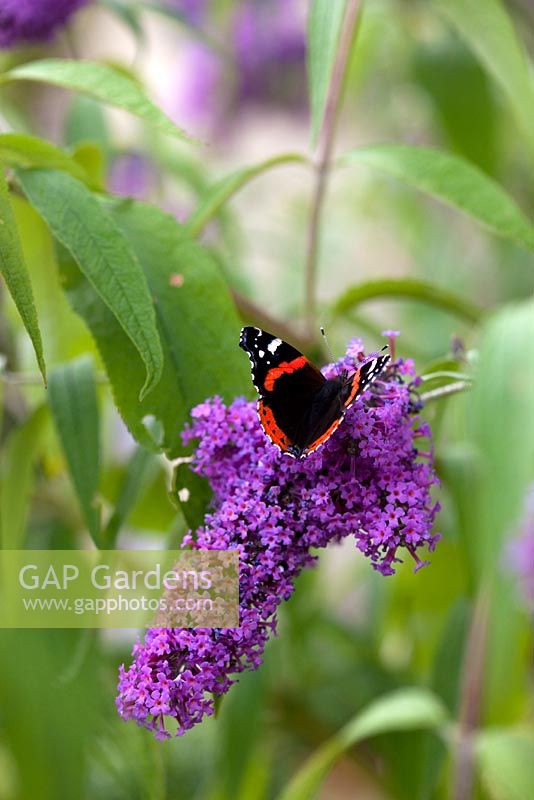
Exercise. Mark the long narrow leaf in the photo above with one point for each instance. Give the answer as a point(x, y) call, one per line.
point(324, 27)
point(489, 32)
point(410, 289)
point(74, 408)
point(502, 427)
point(21, 150)
point(15, 273)
point(197, 323)
point(78, 221)
point(454, 181)
point(17, 477)
point(223, 190)
point(505, 758)
point(102, 81)
point(401, 710)
point(141, 466)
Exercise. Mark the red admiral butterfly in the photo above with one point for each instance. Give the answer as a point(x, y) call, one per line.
point(299, 409)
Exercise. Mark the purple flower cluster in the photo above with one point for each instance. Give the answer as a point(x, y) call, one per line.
point(33, 20)
point(132, 175)
point(270, 52)
point(369, 481)
point(193, 11)
point(264, 64)
point(521, 552)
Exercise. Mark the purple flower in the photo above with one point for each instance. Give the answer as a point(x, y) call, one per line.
point(199, 92)
point(270, 52)
point(263, 63)
point(368, 481)
point(193, 11)
point(520, 553)
point(33, 20)
point(132, 175)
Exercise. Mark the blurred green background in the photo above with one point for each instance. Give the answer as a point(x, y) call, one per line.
point(450, 76)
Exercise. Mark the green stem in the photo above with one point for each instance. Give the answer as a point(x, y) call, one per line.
point(444, 391)
point(470, 701)
point(456, 376)
point(324, 161)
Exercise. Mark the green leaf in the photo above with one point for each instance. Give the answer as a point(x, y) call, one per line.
point(74, 407)
point(15, 273)
point(105, 83)
point(492, 38)
point(140, 468)
point(241, 723)
point(91, 159)
point(454, 181)
point(509, 647)
point(449, 654)
point(86, 122)
point(501, 426)
point(469, 117)
point(64, 334)
point(197, 323)
point(411, 289)
point(324, 26)
point(217, 195)
point(401, 710)
point(192, 493)
point(19, 454)
point(79, 222)
point(21, 150)
point(505, 760)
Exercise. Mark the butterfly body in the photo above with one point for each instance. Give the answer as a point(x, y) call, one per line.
point(298, 407)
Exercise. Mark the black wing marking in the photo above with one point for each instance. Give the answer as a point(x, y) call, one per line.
point(266, 352)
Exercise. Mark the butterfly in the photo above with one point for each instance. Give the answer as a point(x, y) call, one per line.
point(299, 409)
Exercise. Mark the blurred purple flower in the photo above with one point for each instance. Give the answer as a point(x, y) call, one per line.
point(270, 52)
point(520, 554)
point(33, 20)
point(199, 95)
point(266, 48)
point(193, 11)
point(368, 481)
point(132, 175)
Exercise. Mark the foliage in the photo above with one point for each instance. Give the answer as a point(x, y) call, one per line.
point(132, 309)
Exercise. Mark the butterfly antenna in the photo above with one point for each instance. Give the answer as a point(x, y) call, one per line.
point(328, 350)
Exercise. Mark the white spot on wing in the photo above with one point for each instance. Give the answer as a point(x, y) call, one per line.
point(261, 353)
point(274, 345)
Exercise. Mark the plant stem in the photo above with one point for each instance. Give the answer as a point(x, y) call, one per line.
point(324, 160)
point(458, 376)
point(444, 391)
point(470, 700)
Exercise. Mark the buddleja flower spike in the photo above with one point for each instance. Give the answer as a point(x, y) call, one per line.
point(367, 480)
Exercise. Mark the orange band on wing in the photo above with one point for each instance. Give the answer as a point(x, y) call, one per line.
point(326, 435)
point(285, 368)
point(353, 389)
point(273, 431)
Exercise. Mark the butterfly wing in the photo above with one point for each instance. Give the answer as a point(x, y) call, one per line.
point(334, 400)
point(298, 408)
point(287, 384)
point(364, 377)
